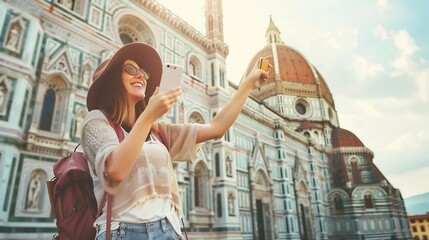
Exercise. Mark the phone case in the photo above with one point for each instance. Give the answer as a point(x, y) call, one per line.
point(171, 77)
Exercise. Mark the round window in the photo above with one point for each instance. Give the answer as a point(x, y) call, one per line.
point(300, 108)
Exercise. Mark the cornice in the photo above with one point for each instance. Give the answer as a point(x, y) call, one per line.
point(352, 150)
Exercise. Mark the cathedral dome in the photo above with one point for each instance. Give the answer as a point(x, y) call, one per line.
point(345, 138)
point(291, 75)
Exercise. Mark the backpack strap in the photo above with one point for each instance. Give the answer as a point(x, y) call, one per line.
point(109, 197)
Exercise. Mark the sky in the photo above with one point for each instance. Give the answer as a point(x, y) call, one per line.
point(373, 54)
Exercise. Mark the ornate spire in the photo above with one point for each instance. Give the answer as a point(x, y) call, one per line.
point(273, 33)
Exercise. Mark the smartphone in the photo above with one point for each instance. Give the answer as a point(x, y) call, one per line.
point(171, 77)
point(263, 64)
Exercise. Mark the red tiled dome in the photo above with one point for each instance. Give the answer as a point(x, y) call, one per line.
point(300, 78)
point(345, 138)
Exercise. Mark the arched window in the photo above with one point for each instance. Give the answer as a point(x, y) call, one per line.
point(201, 185)
point(217, 163)
point(307, 134)
point(355, 171)
point(196, 117)
point(338, 203)
point(195, 68)
point(368, 200)
point(219, 205)
point(47, 110)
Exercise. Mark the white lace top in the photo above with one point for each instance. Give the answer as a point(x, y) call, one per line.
point(152, 176)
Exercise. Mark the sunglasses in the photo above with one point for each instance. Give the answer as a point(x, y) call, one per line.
point(132, 70)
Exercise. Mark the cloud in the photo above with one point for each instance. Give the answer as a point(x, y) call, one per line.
point(341, 39)
point(422, 79)
point(364, 69)
point(405, 43)
point(380, 32)
point(382, 5)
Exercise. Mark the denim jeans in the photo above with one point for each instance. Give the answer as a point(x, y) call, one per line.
point(159, 230)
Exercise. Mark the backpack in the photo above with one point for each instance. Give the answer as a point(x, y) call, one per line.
point(71, 193)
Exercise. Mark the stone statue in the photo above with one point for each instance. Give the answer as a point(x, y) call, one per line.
point(86, 76)
point(231, 205)
point(12, 42)
point(78, 126)
point(228, 167)
point(34, 192)
point(67, 3)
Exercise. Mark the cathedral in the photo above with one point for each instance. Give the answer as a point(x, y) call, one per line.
point(284, 170)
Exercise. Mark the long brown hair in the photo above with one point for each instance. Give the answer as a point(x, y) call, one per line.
point(118, 104)
point(116, 101)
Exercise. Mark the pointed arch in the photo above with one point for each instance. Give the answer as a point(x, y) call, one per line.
point(47, 110)
point(53, 106)
point(368, 200)
point(261, 179)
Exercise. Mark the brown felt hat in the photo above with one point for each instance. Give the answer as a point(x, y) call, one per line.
point(144, 55)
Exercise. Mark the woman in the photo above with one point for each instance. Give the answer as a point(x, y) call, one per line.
point(138, 171)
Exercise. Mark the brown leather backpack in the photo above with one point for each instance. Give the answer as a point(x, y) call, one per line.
point(73, 202)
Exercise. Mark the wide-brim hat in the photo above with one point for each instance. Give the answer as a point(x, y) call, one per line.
point(144, 55)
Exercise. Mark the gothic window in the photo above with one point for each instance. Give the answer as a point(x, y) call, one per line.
point(222, 77)
point(53, 106)
point(338, 203)
point(201, 185)
point(307, 134)
point(195, 68)
point(219, 205)
point(316, 136)
point(47, 110)
point(210, 23)
point(368, 200)
point(15, 35)
point(217, 163)
point(355, 171)
point(212, 74)
point(227, 137)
